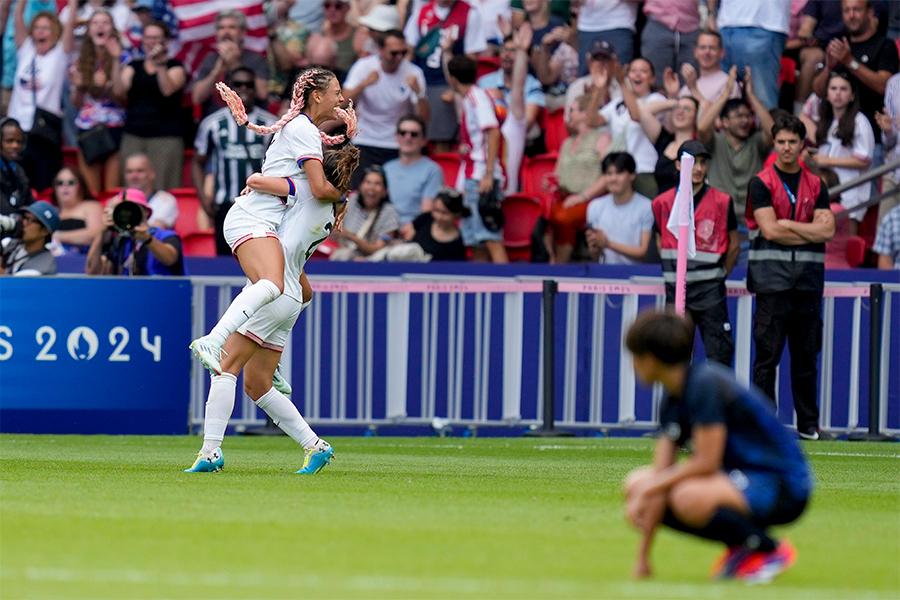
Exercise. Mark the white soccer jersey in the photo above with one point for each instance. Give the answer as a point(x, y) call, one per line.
point(295, 143)
point(306, 224)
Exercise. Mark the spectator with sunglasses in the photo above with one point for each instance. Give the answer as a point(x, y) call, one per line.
point(384, 87)
point(413, 178)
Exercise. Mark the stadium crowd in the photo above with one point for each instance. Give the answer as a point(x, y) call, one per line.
point(556, 122)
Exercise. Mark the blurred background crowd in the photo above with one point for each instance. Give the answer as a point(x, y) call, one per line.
point(573, 106)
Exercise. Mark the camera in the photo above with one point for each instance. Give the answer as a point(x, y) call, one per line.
point(127, 215)
point(11, 226)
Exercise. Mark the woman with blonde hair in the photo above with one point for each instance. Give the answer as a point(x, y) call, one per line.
point(251, 226)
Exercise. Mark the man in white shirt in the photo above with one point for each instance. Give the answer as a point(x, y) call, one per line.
point(139, 174)
point(384, 87)
point(620, 224)
point(753, 34)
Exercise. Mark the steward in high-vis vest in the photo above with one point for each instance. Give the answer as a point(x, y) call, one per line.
point(789, 220)
point(717, 243)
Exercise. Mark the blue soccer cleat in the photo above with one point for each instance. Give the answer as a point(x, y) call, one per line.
point(317, 458)
point(280, 383)
point(209, 463)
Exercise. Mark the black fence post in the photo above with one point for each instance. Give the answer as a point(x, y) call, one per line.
point(876, 331)
point(548, 428)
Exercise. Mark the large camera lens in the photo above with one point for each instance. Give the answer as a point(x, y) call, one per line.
point(127, 215)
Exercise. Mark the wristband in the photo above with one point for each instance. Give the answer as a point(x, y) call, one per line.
point(292, 189)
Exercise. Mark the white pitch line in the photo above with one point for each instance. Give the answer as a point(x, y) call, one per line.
point(363, 583)
point(853, 454)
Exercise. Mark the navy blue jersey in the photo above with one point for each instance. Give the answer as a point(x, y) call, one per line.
point(756, 440)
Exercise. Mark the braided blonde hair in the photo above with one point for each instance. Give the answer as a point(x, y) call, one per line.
point(308, 81)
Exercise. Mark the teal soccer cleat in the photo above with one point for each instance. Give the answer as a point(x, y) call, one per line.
point(280, 383)
point(317, 458)
point(211, 463)
point(208, 353)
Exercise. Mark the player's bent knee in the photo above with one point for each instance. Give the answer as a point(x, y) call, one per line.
point(635, 477)
point(691, 503)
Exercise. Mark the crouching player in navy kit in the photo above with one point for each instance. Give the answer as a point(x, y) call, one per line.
point(745, 472)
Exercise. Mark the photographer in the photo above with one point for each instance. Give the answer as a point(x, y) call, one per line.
point(129, 246)
point(23, 249)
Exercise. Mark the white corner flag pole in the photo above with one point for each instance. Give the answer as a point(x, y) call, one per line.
point(681, 224)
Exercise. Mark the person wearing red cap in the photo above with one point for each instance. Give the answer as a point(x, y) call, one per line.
point(127, 247)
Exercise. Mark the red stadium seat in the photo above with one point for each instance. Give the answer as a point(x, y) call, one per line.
point(487, 64)
point(522, 212)
point(187, 179)
point(449, 163)
point(188, 207)
point(199, 243)
point(70, 157)
point(184, 192)
point(788, 72)
point(104, 196)
point(554, 127)
point(45, 195)
point(856, 251)
point(539, 178)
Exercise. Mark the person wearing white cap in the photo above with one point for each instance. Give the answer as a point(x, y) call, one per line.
point(379, 20)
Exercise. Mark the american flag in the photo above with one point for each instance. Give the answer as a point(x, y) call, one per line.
point(197, 31)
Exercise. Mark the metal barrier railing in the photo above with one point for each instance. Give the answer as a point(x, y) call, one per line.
point(411, 350)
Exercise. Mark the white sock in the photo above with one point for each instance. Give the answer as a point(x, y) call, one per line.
point(250, 300)
point(219, 405)
point(284, 414)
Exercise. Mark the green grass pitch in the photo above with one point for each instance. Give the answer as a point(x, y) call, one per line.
point(114, 517)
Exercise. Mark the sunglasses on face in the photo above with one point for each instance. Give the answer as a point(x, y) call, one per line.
point(408, 133)
point(65, 182)
point(243, 84)
point(397, 53)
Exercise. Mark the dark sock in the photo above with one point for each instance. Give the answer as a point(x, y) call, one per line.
point(726, 526)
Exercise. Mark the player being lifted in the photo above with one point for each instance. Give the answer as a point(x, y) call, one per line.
point(252, 223)
point(746, 472)
point(257, 345)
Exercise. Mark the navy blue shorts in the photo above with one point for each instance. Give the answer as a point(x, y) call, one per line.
point(771, 500)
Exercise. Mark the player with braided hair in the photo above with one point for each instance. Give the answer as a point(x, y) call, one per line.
point(251, 225)
point(256, 347)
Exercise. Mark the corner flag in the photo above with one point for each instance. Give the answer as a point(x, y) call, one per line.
point(681, 225)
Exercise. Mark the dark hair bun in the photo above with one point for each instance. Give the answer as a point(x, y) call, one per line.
point(454, 202)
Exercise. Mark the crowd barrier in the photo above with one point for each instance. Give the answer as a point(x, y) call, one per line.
point(109, 355)
point(469, 352)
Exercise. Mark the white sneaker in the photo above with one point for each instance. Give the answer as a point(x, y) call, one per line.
point(280, 383)
point(208, 353)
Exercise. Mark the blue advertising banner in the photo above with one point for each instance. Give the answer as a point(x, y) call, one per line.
point(86, 355)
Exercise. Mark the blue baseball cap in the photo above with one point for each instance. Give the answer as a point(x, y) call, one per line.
point(45, 213)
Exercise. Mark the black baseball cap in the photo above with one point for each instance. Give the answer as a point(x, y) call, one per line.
point(693, 147)
point(601, 50)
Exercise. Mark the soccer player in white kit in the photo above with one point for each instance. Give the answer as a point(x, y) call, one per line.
point(258, 344)
point(252, 223)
